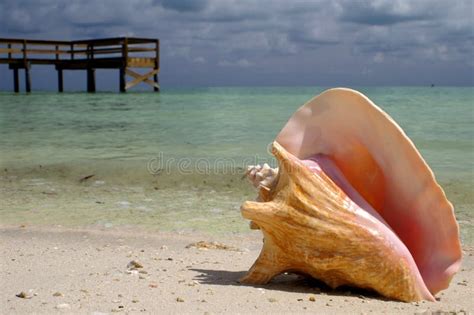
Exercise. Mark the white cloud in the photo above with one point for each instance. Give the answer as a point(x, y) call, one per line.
point(237, 63)
point(199, 59)
point(379, 57)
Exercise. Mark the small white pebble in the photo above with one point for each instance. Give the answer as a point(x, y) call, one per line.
point(132, 272)
point(124, 204)
point(63, 306)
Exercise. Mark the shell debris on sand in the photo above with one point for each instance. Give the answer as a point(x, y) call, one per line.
point(212, 245)
point(132, 265)
point(24, 295)
point(63, 306)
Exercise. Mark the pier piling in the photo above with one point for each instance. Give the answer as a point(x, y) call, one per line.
point(60, 80)
point(90, 80)
point(122, 79)
point(16, 81)
point(27, 78)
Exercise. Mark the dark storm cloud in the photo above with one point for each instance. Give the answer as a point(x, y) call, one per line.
point(184, 5)
point(385, 13)
point(22, 17)
point(442, 32)
point(220, 39)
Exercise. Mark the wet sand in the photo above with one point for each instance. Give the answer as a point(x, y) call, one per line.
point(63, 270)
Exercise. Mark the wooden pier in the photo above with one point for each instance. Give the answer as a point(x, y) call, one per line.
point(123, 53)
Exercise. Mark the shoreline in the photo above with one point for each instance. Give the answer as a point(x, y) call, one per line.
point(78, 270)
point(204, 204)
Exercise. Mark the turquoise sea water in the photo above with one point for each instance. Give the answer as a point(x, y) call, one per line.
point(174, 160)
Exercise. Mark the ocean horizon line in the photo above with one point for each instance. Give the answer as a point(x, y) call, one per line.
point(273, 86)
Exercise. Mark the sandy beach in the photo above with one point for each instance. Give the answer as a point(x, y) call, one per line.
point(139, 141)
point(93, 271)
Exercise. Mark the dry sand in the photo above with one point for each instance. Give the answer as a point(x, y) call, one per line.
point(85, 271)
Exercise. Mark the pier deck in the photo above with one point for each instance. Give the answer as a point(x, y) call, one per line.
point(123, 53)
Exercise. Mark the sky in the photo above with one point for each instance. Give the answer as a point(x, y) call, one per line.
point(264, 42)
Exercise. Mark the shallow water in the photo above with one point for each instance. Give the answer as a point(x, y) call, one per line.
point(174, 160)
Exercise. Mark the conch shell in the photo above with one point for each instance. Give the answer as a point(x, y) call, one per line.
point(354, 204)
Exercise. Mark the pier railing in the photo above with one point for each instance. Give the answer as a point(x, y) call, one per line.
point(121, 53)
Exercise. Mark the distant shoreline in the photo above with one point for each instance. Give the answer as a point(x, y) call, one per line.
point(6, 89)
